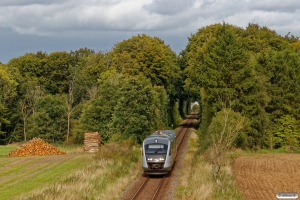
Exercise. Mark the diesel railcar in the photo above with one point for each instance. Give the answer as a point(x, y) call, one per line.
point(159, 152)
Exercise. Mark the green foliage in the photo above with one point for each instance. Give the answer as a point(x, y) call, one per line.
point(88, 73)
point(242, 67)
point(56, 72)
point(50, 121)
point(29, 65)
point(8, 87)
point(142, 68)
point(226, 121)
point(128, 106)
point(224, 71)
point(175, 117)
point(8, 92)
point(150, 57)
point(284, 79)
point(161, 100)
point(254, 69)
point(257, 39)
point(97, 113)
point(135, 109)
point(287, 132)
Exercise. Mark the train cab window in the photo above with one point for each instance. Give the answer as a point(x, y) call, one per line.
point(156, 148)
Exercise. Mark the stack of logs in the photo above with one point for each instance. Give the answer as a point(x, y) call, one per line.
point(36, 147)
point(92, 142)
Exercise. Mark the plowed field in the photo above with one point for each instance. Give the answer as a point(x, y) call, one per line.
point(261, 176)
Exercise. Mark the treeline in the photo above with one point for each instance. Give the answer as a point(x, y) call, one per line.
point(142, 85)
point(254, 72)
point(129, 91)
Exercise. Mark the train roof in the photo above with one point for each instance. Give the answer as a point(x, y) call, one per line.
point(169, 134)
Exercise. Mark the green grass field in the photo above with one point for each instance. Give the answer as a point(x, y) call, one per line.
point(4, 150)
point(76, 175)
point(22, 174)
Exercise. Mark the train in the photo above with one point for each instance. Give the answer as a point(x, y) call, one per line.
point(159, 151)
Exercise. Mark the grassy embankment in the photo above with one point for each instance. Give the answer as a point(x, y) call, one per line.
point(197, 182)
point(73, 176)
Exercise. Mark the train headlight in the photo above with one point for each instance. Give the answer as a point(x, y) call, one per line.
point(155, 159)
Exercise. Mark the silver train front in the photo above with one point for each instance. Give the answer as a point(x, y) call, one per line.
point(159, 152)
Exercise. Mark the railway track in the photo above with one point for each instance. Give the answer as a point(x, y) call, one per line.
point(155, 187)
point(152, 186)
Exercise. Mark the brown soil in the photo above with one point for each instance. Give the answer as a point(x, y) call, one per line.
point(261, 176)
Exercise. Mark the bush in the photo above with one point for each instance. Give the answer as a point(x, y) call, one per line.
point(123, 151)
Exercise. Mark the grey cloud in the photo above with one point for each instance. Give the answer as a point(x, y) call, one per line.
point(276, 5)
point(28, 2)
point(14, 45)
point(72, 15)
point(216, 10)
point(75, 23)
point(167, 7)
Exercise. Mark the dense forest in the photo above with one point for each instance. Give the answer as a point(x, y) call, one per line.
point(141, 85)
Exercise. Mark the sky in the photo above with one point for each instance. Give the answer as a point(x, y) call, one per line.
point(28, 26)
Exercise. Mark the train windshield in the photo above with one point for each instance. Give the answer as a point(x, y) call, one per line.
point(156, 148)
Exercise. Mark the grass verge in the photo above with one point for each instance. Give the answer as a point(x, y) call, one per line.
point(197, 182)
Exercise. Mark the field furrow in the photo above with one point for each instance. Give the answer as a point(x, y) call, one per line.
point(261, 176)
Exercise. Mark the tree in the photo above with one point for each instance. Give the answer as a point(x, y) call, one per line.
point(135, 109)
point(257, 39)
point(223, 130)
point(29, 65)
point(7, 93)
point(28, 104)
point(160, 102)
point(220, 66)
point(49, 121)
point(87, 71)
point(284, 82)
point(97, 112)
point(287, 132)
point(152, 58)
point(56, 73)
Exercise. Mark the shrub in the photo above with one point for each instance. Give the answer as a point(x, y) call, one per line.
point(119, 151)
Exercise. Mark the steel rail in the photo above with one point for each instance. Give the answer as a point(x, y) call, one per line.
point(158, 187)
point(140, 188)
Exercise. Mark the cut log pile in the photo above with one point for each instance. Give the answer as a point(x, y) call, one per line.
point(36, 147)
point(92, 142)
